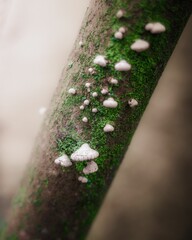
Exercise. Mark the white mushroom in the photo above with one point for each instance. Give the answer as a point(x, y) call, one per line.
point(100, 60)
point(90, 168)
point(94, 94)
point(84, 153)
point(85, 119)
point(63, 161)
point(72, 91)
point(86, 102)
point(149, 26)
point(94, 110)
point(122, 66)
point(91, 70)
point(81, 44)
point(104, 91)
point(108, 128)
point(42, 110)
point(88, 85)
point(82, 179)
point(82, 107)
point(132, 103)
point(140, 45)
point(122, 29)
point(113, 81)
point(110, 103)
point(155, 27)
point(118, 35)
point(120, 13)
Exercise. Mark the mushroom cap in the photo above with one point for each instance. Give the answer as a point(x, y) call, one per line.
point(104, 91)
point(84, 153)
point(81, 43)
point(122, 29)
point(118, 35)
point(42, 110)
point(120, 13)
point(108, 128)
point(140, 45)
point(122, 66)
point(63, 161)
point(94, 94)
point(94, 110)
point(82, 107)
point(149, 26)
point(88, 85)
point(82, 179)
point(155, 27)
point(85, 119)
point(113, 81)
point(100, 60)
point(110, 103)
point(90, 168)
point(91, 70)
point(132, 103)
point(86, 102)
point(72, 91)
point(158, 28)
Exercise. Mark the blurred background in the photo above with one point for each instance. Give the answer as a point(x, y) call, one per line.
point(36, 38)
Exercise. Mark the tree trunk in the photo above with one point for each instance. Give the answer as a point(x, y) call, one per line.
point(52, 203)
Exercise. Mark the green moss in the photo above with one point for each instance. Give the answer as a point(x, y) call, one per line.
point(19, 200)
point(146, 70)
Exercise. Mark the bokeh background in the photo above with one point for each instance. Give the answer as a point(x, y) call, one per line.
point(36, 38)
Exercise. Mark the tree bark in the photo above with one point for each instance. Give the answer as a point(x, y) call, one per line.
point(52, 203)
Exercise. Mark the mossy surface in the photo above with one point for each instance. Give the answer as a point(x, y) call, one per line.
point(72, 133)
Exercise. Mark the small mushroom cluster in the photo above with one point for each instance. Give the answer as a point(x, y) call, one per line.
point(120, 33)
point(84, 153)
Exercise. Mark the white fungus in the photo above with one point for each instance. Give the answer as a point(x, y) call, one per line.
point(140, 45)
point(90, 168)
point(84, 153)
point(88, 85)
point(110, 103)
point(120, 13)
point(86, 102)
point(100, 60)
point(85, 119)
point(155, 27)
point(42, 110)
point(94, 110)
point(122, 66)
point(113, 81)
point(63, 161)
point(149, 26)
point(91, 70)
point(95, 94)
point(104, 91)
point(82, 179)
point(118, 35)
point(82, 107)
point(81, 43)
point(88, 90)
point(108, 128)
point(132, 103)
point(72, 91)
point(122, 29)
